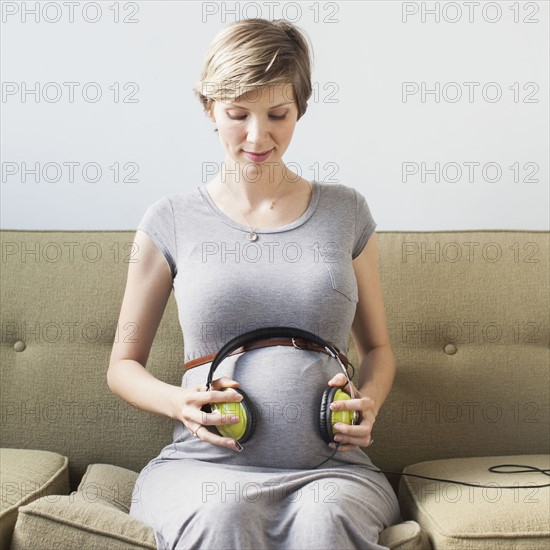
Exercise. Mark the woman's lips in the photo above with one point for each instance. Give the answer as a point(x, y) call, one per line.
point(255, 157)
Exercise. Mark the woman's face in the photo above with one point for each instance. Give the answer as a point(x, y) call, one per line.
point(260, 121)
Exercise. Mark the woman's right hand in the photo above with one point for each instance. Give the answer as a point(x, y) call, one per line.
point(188, 402)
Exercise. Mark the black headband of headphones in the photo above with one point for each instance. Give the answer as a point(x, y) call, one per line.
point(266, 333)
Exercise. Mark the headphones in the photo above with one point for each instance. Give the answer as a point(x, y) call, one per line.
point(242, 431)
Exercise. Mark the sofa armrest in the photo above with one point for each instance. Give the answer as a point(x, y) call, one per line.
point(26, 475)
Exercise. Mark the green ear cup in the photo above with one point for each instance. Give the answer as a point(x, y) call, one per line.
point(327, 417)
point(345, 416)
point(242, 430)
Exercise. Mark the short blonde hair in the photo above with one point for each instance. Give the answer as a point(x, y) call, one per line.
point(253, 53)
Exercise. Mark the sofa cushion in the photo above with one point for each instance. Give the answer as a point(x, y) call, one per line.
point(95, 516)
point(72, 521)
point(26, 475)
point(405, 536)
point(473, 518)
point(110, 484)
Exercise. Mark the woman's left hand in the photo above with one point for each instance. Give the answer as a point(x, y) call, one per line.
point(352, 437)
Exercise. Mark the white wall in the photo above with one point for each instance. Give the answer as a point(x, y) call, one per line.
point(364, 52)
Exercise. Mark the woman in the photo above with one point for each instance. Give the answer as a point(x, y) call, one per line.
point(259, 246)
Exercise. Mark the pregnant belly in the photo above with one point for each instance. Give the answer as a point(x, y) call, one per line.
point(285, 386)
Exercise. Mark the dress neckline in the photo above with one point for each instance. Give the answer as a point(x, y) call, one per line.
point(292, 225)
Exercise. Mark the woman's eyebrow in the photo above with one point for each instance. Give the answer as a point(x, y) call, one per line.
point(274, 107)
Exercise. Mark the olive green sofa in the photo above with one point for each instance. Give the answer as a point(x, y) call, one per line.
point(468, 315)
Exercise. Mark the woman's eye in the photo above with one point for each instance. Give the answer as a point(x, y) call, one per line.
point(282, 117)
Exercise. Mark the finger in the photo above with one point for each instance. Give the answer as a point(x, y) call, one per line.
point(347, 443)
point(361, 404)
point(204, 434)
point(217, 396)
point(224, 382)
point(349, 440)
point(200, 413)
point(338, 380)
point(353, 435)
point(215, 418)
point(359, 435)
point(365, 422)
point(342, 448)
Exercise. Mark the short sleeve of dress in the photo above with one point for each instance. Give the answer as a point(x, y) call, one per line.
point(158, 223)
point(364, 224)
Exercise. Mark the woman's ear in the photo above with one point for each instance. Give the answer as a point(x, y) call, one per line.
point(210, 112)
point(211, 116)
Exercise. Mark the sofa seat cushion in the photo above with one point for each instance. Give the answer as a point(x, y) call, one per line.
point(473, 518)
point(26, 475)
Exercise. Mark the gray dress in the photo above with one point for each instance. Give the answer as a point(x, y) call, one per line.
point(198, 495)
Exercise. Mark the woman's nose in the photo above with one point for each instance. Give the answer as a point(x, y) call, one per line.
point(257, 130)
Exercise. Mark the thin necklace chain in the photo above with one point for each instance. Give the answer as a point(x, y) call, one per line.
point(252, 236)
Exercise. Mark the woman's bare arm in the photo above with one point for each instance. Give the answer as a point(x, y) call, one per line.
point(148, 287)
point(376, 360)
point(369, 330)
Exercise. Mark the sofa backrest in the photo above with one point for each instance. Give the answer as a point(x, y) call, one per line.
point(467, 312)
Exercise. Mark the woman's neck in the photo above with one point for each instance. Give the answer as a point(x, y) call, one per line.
point(253, 185)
